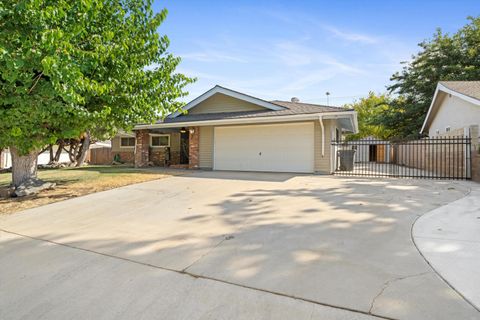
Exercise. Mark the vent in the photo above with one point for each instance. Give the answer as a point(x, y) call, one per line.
point(295, 100)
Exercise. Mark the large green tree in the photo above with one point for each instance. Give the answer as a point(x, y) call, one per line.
point(74, 67)
point(368, 110)
point(444, 57)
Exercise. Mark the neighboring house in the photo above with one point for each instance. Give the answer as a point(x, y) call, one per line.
point(227, 130)
point(43, 158)
point(455, 106)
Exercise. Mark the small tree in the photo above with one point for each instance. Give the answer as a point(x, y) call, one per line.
point(69, 68)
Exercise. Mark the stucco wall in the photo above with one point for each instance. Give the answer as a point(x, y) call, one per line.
point(223, 103)
point(455, 113)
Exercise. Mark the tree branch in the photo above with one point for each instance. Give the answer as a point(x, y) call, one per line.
point(36, 81)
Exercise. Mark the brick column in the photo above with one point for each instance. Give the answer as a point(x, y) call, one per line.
point(475, 136)
point(142, 145)
point(193, 147)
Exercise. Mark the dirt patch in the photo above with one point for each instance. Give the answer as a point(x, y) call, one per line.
point(75, 182)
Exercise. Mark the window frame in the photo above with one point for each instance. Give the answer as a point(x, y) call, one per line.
point(128, 137)
point(160, 135)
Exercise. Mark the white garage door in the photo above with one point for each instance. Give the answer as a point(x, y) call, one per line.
point(277, 147)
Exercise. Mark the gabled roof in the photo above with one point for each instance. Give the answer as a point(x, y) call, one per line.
point(466, 90)
point(231, 93)
point(275, 111)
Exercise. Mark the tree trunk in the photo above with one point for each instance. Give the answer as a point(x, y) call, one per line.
point(72, 152)
point(51, 153)
point(82, 154)
point(58, 154)
point(24, 167)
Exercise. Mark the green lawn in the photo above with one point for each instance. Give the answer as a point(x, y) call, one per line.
point(74, 182)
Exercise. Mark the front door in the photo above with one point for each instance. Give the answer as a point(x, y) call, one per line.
point(184, 147)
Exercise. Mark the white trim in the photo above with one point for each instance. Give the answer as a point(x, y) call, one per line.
point(299, 117)
point(151, 135)
point(127, 137)
point(441, 87)
point(231, 93)
point(320, 119)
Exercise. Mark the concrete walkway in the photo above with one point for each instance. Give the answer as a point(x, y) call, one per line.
point(223, 245)
point(449, 238)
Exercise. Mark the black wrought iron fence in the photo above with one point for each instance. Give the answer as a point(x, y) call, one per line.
point(430, 158)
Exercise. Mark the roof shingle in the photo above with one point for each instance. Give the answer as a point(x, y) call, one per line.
point(290, 108)
point(468, 88)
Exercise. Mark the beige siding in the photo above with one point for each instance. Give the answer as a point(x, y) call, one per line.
point(116, 145)
point(206, 148)
point(323, 164)
point(223, 103)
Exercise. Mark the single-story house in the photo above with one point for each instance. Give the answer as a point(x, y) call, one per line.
point(455, 106)
point(223, 129)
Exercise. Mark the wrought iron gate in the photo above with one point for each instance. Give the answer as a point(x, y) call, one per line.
point(430, 158)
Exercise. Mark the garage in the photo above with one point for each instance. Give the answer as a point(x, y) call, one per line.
point(270, 147)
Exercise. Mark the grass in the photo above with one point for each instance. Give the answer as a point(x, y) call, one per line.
point(74, 182)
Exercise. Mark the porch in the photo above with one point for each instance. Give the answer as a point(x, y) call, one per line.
point(167, 147)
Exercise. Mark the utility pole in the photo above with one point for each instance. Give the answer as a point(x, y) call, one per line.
point(327, 94)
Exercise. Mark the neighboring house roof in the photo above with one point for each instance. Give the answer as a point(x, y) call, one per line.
point(101, 144)
point(466, 90)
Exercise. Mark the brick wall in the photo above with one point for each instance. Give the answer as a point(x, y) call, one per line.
point(157, 156)
point(142, 145)
point(193, 148)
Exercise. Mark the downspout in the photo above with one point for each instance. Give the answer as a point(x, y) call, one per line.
point(320, 119)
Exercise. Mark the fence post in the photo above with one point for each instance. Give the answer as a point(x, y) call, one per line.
point(475, 152)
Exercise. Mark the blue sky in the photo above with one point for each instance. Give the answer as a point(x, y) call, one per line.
point(281, 49)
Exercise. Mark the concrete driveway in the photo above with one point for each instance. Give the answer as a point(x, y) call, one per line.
point(218, 245)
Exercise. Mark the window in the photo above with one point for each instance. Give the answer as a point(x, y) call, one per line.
point(160, 140)
point(447, 129)
point(437, 131)
point(126, 142)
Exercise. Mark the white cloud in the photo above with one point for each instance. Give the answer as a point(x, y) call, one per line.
point(213, 56)
point(352, 36)
point(294, 54)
